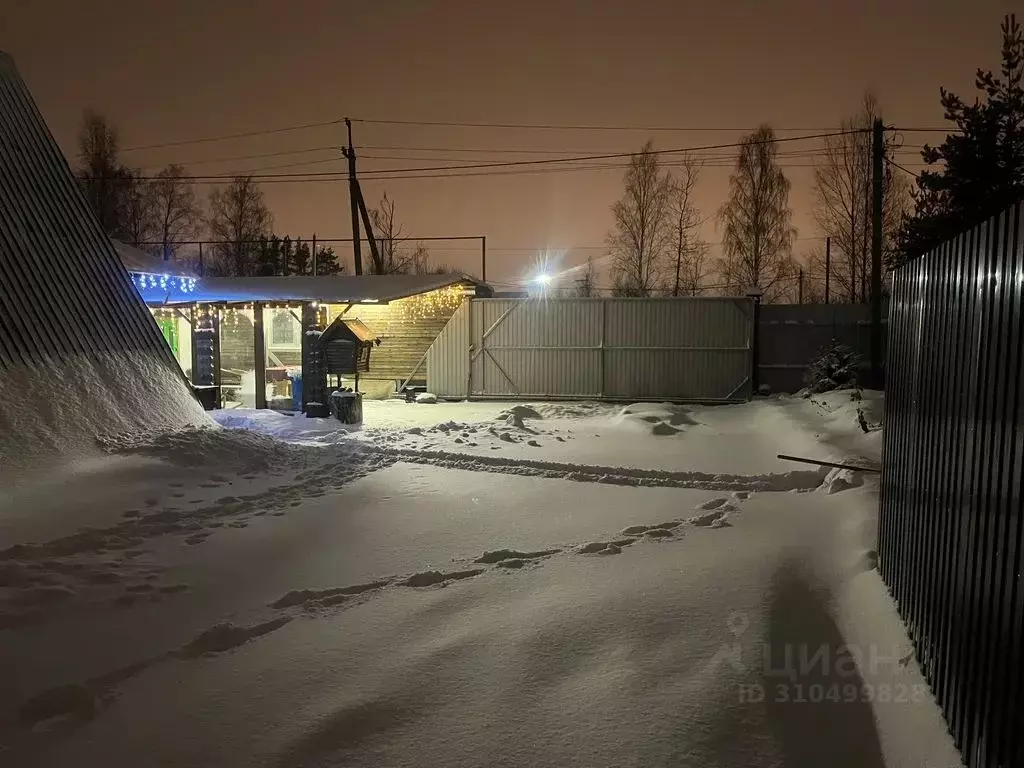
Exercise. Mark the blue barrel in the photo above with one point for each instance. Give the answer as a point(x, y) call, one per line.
point(296, 391)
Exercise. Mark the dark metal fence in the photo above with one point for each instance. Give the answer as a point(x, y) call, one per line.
point(950, 530)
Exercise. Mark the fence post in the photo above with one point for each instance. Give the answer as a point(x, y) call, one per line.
point(604, 331)
point(828, 266)
point(876, 257)
point(754, 294)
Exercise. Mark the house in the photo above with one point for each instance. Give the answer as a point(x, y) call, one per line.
point(249, 335)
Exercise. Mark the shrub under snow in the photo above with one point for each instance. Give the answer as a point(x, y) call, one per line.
point(835, 367)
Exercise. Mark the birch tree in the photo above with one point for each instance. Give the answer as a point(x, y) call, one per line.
point(843, 202)
point(239, 218)
point(175, 210)
point(689, 251)
point(641, 238)
point(756, 220)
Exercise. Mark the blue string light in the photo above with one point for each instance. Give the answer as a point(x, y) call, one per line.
point(144, 280)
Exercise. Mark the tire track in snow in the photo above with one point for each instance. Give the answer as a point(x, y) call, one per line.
point(788, 481)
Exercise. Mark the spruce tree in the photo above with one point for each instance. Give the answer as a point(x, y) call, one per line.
point(984, 158)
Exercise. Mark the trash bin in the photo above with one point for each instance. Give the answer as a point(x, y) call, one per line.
point(296, 378)
point(347, 406)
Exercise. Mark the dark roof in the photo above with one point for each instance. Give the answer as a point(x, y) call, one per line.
point(138, 261)
point(358, 328)
point(52, 248)
point(342, 289)
point(353, 325)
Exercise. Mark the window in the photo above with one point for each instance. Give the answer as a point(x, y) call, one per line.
point(284, 329)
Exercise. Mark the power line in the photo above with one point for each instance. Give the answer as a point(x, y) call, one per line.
point(923, 130)
point(554, 127)
point(551, 161)
point(905, 170)
point(229, 136)
point(259, 156)
point(525, 283)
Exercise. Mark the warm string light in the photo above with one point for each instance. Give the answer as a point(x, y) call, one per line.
point(440, 303)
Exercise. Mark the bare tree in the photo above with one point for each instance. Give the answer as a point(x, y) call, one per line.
point(392, 256)
point(758, 234)
point(137, 209)
point(586, 285)
point(843, 202)
point(104, 180)
point(175, 209)
point(690, 252)
point(641, 237)
point(239, 218)
point(418, 260)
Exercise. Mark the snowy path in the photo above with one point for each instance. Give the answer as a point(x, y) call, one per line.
point(396, 598)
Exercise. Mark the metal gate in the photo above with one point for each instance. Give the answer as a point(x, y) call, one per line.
point(617, 349)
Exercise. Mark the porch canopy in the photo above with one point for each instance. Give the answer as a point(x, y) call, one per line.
point(343, 289)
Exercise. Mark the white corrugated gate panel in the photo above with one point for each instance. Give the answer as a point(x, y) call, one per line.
point(673, 373)
point(448, 356)
point(677, 323)
point(618, 348)
point(538, 372)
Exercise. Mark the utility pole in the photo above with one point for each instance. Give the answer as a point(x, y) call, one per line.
point(828, 265)
point(353, 196)
point(878, 168)
point(800, 290)
point(314, 254)
point(483, 258)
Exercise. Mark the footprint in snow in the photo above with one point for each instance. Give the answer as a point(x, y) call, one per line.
point(605, 547)
point(224, 637)
point(429, 578)
point(331, 596)
point(713, 503)
point(498, 555)
point(666, 528)
point(658, 533)
point(713, 518)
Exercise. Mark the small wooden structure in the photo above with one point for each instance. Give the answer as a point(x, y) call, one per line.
point(345, 346)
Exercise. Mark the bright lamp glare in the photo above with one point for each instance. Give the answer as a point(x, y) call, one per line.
point(543, 279)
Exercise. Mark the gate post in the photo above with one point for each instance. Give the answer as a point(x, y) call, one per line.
point(754, 294)
point(604, 331)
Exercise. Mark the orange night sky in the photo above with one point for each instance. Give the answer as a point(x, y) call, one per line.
point(173, 71)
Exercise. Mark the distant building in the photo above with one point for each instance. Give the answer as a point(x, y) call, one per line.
point(248, 335)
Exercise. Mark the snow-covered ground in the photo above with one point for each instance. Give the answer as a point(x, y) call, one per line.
point(464, 584)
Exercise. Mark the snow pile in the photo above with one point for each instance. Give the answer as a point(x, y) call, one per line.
point(296, 428)
point(66, 408)
point(659, 419)
point(573, 410)
point(426, 397)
